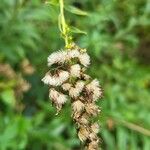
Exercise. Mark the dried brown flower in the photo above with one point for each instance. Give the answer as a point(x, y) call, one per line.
point(80, 87)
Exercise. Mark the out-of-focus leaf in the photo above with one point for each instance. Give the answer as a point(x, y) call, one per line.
point(134, 141)
point(122, 135)
point(146, 143)
point(109, 140)
point(76, 11)
point(76, 30)
point(8, 97)
point(52, 2)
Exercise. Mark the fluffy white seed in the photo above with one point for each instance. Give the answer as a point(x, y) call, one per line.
point(86, 77)
point(83, 134)
point(66, 86)
point(75, 92)
point(92, 136)
point(63, 76)
point(95, 83)
point(75, 70)
point(97, 93)
point(92, 109)
point(93, 145)
point(95, 127)
point(84, 59)
point(56, 80)
point(57, 98)
point(80, 85)
point(57, 57)
point(77, 106)
point(50, 80)
point(73, 54)
point(83, 120)
point(94, 88)
point(47, 79)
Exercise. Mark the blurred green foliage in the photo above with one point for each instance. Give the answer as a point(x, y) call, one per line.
point(117, 38)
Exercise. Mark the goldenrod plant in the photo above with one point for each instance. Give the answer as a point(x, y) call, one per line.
point(67, 80)
point(117, 40)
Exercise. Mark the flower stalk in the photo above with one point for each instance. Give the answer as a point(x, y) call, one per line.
point(68, 79)
point(64, 29)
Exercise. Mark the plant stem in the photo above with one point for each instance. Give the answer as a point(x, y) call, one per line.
point(62, 24)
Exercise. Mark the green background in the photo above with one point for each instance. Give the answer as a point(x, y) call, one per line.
point(116, 35)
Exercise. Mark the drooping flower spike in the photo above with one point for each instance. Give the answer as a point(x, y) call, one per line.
point(69, 75)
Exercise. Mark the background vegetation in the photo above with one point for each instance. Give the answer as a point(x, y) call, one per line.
point(117, 38)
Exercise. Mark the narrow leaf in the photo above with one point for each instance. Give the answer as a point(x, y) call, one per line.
point(76, 11)
point(76, 30)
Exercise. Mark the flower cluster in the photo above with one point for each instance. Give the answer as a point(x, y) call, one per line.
point(68, 79)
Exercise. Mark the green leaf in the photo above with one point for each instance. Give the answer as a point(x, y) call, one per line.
point(52, 2)
point(8, 97)
point(109, 139)
point(122, 138)
point(146, 143)
point(76, 30)
point(76, 11)
point(134, 141)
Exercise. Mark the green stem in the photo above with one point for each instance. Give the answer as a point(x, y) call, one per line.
point(62, 24)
